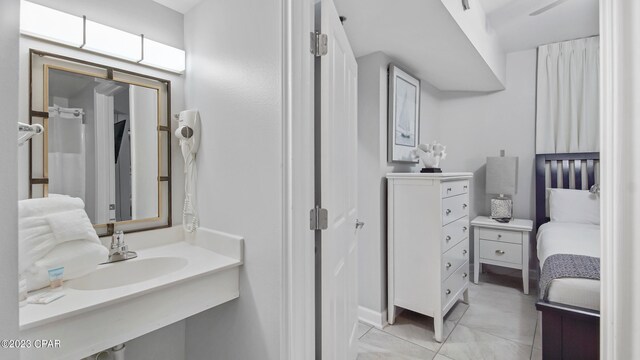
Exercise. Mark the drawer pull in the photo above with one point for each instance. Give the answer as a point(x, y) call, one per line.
point(464, 228)
point(464, 252)
point(499, 252)
point(465, 187)
point(448, 189)
point(448, 211)
point(448, 238)
point(464, 206)
point(448, 292)
point(448, 265)
point(464, 275)
point(499, 236)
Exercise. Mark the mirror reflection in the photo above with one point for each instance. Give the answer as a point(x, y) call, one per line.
point(103, 145)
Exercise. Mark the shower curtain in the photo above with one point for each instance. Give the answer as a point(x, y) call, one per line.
point(567, 116)
point(66, 152)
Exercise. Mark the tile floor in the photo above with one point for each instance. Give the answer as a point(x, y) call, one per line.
point(499, 323)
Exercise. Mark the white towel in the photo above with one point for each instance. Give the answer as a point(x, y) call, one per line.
point(78, 258)
point(56, 231)
point(72, 225)
point(35, 240)
point(39, 235)
point(48, 205)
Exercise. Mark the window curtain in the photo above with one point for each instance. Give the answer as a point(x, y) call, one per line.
point(567, 116)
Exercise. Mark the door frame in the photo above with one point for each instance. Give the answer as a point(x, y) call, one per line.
point(298, 248)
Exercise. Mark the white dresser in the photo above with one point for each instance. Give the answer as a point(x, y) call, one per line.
point(428, 243)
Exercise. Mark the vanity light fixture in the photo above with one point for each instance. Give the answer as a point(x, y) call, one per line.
point(162, 56)
point(113, 42)
point(36, 20)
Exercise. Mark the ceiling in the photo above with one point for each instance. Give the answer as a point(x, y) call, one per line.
point(490, 6)
point(181, 6)
point(517, 30)
point(424, 39)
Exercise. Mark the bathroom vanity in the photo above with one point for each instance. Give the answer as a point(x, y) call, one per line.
point(178, 276)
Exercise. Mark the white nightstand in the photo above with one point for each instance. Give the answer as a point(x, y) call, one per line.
point(502, 244)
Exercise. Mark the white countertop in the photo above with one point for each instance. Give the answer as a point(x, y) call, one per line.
point(514, 224)
point(200, 262)
point(440, 176)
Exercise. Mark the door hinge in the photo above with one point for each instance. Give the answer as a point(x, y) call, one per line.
point(318, 43)
point(318, 218)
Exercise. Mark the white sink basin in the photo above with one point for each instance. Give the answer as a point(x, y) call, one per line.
point(127, 272)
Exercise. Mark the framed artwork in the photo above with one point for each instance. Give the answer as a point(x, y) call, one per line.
point(404, 115)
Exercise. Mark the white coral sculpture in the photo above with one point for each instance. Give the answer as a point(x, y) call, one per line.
point(430, 154)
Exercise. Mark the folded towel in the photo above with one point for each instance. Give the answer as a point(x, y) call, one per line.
point(39, 235)
point(35, 240)
point(78, 258)
point(45, 224)
point(48, 205)
point(72, 225)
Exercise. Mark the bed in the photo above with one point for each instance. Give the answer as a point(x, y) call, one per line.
point(570, 312)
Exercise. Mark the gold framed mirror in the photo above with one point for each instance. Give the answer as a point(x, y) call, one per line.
point(106, 141)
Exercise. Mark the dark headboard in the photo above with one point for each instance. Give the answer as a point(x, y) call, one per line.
point(569, 168)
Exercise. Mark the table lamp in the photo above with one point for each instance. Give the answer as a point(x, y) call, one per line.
point(501, 180)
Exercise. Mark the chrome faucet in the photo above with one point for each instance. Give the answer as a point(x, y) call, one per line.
point(119, 251)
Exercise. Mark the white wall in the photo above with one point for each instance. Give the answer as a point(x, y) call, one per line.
point(477, 125)
point(140, 16)
point(9, 15)
point(234, 77)
point(372, 168)
point(167, 343)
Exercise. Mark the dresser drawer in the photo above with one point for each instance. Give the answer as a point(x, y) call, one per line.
point(453, 208)
point(452, 259)
point(514, 237)
point(454, 283)
point(454, 188)
point(501, 251)
point(454, 232)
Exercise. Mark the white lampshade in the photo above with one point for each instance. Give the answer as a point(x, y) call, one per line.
point(109, 41)
point(502, 175)
point(49, 24)
point(163, 56)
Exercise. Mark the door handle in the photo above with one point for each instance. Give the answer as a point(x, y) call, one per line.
point(464, 252)
point(448, 265)
point(359, 224)
point(448, 211)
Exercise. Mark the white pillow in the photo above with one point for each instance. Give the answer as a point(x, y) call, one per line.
point(575, 206)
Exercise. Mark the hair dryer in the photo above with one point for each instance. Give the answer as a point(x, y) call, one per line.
point(188, 134)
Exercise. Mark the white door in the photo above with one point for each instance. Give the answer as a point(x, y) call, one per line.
point(338, 176)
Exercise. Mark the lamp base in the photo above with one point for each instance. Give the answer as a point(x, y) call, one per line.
point(431, 170)
point(501, 209)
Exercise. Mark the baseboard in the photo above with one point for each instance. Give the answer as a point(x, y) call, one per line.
point(373, 318)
